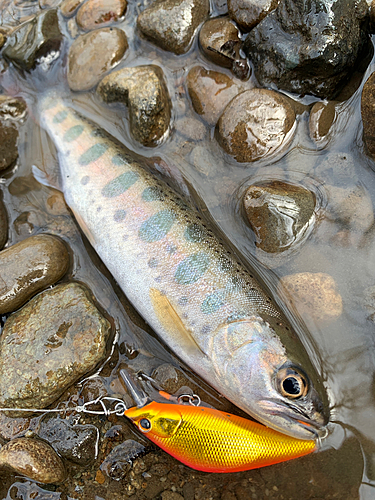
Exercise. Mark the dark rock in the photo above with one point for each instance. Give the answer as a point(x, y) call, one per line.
point(119, 461)
point(50, 343)
point(280, 214)
point(33, 458)
point(171, 24)
point(12, 108)
point(34, 40)
point(93, 54)
point(322, 116)
point(69, 7)
point(3, 224)
point(249, 13)
point(144, 91)
point(76, 443)
point(99, 13)
point(368, 117)
point(28, 267)
point(255, 124)
point(8, 144)
point(309, 46)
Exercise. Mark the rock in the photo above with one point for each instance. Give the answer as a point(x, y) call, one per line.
point(33, 458)
point(322, 116)
point(93, 54)
point(314, 294)
point(255, 124)
point(28, 267)
point(219, 40)
point(171, 495)
point(12, 108)
point(119, 461)
point(171, 24)
point(50, 343)
point(210, 92)
point(33, 40)
point(249, 13)
point(144, 91)
point(69, 7)
point(8, 145)
point(305, 46)
point(98, 13)
point(49, 4)
point(76, 443)
point(281, 215)
point(367, 111)
point(3, 225)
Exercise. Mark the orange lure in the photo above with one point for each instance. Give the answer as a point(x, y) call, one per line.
point(214, 441)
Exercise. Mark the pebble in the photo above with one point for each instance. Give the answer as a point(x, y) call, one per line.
point(30, 266)
point(144, 91)
point(69, 7)
point(49, 4)
point(3, 227)
point(34, 39)
point(255, 124)
point(367, 111)
point(322, 116)
point(249, 13)
point(8, 144)
point(92, 55)
point(171, 24)
point(314, 294)
point(49, 344)
point(33, 458)
point(280, 214)
point(118, 463)
point(99, 13)
point(171, 495)
point(210, 92)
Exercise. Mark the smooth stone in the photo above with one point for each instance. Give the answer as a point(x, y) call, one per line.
point(144, 90)
point(280, 214)
point(98, 13)
point(8, 144)
point(12, 108)
point(255, 124)
point(119, 461)
point(69, 7)
point(3, 225)
point(220, 42)
point(33, 40)
point(171, 24)
point(322, 116)
point(367, 111)
point(49, 4)
point(30, 266)
point(304, 46)
point(33, 458)
point(210, 92)
point(49, 344)
point(249, 13)
point(2, 39)
point(93, 54)
point(76, 443)
point(313, 294)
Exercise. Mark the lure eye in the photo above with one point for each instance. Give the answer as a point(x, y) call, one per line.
point(292, 383)
point(144, 425)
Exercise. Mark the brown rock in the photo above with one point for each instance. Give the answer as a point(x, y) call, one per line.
point(3, 223)
point(8, 144)
point(249, 13)
point(322, 116)
point(28, 267)
point(314, 294)
point(368, 115)
point(12, 108)
point(93, 54)
point(99, 13)
point(69, 7)
point(210, 92)
point(255, 124)
point(49, 4)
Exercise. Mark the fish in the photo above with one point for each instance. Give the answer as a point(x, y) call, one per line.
point(211, 311)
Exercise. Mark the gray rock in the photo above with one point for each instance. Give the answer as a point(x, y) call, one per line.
point(309, 46)
point(33, 40)
point(93, 54)
point(144, 91)
point(3, 223)
point(171, 24)
point(50, 343)
point(28, 267)
point(99, 13)
point(249, 13)
point(33, 458)
point(8, 144)
point(255, 124)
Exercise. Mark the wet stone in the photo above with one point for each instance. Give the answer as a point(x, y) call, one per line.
point(255, 124)
point(49, 4)
point(98, 13)
point(76, 443)
point(3, 226)
point(280, 214)
point(28, 267)
point(249, 13)
point(299, 35)
point(171, 24)
point(33, 458)
point(367, 111)
point(118, 463)
point(210, 92)
point(143, 89)
point(34, 39)
point(12, 108)
point(69, 7)
point(8, 144)
point(50, 343)
point(93, 54)
point(322, 117)
point(314, 294)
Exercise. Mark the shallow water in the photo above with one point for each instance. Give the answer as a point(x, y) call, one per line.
point(343, 349)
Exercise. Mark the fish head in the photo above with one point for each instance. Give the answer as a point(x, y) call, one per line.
point(157, 420)
point(259, 377)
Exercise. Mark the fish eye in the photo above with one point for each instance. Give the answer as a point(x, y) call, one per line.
point(292, 383)
point(144, 425)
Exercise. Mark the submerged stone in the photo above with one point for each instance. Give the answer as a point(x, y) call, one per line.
point(119, 461)
point(8, 144)
point(12, 108)
point(368, 117)
point(249, 13)
point(69, 7)
point(99, 13)
point(322, 117)
point(3, 223)
point(50, 343)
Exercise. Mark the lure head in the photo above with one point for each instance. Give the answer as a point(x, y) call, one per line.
point(157, 420)
point(252, 363)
